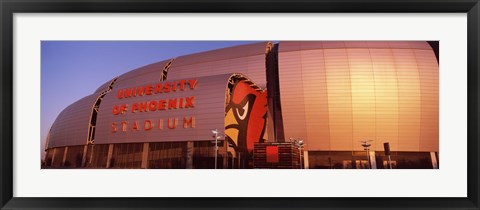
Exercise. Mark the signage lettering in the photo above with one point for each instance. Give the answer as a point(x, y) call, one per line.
point(166, 87)
point(147, 125)
point(146, 106)
point(162, 104)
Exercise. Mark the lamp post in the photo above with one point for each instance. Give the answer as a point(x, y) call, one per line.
point(366, 146)
point(386, 147)
point(216, 135)
point(299, 143)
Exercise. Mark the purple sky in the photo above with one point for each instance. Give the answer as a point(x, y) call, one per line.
point(71, 70)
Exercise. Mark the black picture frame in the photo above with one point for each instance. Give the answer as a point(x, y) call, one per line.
point(10, 7)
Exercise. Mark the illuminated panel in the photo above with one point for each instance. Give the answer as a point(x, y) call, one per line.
point(339, 98)
point(409, 103)
point(428, 72)
point(386, 99)
point(315, 91)
point(381, 91)
point(272, 154)
point(363, 96)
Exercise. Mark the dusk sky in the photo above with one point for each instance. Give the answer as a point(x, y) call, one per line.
point(71, 70)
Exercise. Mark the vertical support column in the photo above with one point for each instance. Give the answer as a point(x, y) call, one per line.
point(109, 155)
point(373, 160)
point(64, 156)
point(239, 160)
point(91, 155)
point(225, 158)
point(189, 155)
point(53, 156)
point(84, 155)
point(145, 155)
point(44, 159)
point(433, 156)
point(305, 159)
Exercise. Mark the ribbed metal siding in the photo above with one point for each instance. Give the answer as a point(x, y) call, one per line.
point(71, 126)
point(335, 94)
point(103, 87)
point(146, 74)
point(209, 113)
point(246, 59)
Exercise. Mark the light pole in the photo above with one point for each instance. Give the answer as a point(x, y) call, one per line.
point(366, 146)
point(386, 147)
point(299, 143)
point(216, 135)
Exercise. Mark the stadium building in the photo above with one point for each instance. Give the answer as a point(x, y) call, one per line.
point(345, 100)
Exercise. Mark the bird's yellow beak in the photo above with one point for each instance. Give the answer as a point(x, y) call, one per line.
point(232, 133)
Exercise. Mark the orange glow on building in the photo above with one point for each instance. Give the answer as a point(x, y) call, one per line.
point(355, 91)
point(333, 95)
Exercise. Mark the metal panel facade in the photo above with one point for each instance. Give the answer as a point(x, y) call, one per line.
point(333, 95)
point(142, 75)
point(103, 87)
point(336, 94)
point(246, 59)
point(208, 112)
point(148, 73)
point(71, 126)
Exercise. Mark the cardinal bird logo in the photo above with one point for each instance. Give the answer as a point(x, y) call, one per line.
point(245, 118)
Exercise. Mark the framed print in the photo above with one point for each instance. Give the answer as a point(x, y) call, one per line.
point(122, 104)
